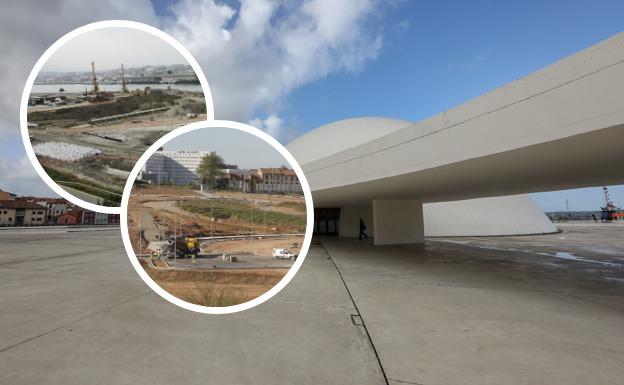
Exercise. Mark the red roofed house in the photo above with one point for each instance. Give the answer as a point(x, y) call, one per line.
point(278, 180)
point(21, 213)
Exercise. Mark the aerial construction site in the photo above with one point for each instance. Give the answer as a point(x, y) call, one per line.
point(216, 248)
point(88, 129)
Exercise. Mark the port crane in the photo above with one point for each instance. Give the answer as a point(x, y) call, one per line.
point(96, 86)
point(124, 87)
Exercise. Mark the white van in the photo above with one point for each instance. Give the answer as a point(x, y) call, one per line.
point(283, 254)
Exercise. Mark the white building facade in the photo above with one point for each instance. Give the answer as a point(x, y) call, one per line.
point(175, 167)
point(278, 180)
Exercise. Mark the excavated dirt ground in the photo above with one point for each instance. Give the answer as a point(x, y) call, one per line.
point(260, 246)
point(215, 287)
point(154, 202)
point(109, 170)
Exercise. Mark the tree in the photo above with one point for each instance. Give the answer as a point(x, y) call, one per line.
point(210, 169)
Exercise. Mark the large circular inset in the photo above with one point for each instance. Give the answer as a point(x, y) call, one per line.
point(212, 236)
point(97, 98)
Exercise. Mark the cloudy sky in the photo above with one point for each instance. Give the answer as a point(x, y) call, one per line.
point(110, 47)
point(290, 66)
point(234, 146)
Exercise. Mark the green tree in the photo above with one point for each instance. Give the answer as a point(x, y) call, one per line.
point(210, 169)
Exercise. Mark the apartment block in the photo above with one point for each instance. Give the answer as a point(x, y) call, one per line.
point(21, 213)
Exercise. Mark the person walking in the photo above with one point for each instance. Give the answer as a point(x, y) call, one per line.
point(362, 229)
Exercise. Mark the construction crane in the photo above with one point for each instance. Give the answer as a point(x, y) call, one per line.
point(96, 87)
point(124, 87)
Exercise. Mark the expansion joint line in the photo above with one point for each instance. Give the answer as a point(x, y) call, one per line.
point(361, 319)
point(99, 312)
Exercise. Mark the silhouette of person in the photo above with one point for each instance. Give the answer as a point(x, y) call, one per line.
point(362, 229)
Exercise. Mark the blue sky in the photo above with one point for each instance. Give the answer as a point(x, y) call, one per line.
point(437, 55)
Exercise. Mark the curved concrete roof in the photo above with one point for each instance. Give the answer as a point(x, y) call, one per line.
point(342, 135)
point(561, 127)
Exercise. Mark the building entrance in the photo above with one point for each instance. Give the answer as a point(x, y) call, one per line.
point(326, 221)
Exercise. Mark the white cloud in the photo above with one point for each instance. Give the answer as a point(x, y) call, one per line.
point(29, 27)
point(273, 125)
point(19, 177)
point(254, 56)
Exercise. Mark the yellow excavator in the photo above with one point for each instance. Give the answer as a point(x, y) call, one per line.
point(182, 247)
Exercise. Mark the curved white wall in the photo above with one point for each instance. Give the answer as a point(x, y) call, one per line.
point(342, 135)
point(506, 215)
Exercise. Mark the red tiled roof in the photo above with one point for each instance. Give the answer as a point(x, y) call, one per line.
point(47, 200)
point(15, 204)
point(278, 171)
point(54, 200)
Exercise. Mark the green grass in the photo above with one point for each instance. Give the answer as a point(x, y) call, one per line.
point(90, 188)
point(225, 210)
point(301, 206)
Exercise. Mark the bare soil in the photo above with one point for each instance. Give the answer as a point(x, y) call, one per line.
point(261, 246)
point(69, 124)
point(215, 287)
point(162, 201)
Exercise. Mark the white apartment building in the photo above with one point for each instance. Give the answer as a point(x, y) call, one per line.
point(177, 167)
point(278, 180)
point(180, 168)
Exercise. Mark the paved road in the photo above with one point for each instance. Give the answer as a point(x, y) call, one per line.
point(74, 312)
point(82, 195)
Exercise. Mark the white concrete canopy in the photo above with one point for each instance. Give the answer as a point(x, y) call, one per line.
point(561, 127)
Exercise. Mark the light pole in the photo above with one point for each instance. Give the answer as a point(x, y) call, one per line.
point(140, 222)
point(252, 228)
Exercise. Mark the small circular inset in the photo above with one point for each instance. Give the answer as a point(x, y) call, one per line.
point(217, 217)
point(98, 98)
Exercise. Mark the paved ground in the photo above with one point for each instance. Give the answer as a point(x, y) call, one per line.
point(75, 312)
point(244, 261)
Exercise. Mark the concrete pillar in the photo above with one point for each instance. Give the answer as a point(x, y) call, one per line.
point(398, 222)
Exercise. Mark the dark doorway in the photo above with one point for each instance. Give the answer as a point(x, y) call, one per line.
point(326, 221)
point(19, 217)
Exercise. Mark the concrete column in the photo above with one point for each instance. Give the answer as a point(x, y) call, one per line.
point(398, 222)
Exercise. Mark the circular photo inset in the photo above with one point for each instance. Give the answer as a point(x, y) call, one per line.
point(217, 217)
point(98, 98)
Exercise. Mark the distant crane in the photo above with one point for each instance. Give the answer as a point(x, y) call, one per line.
point(96, 86)
point(124, 87)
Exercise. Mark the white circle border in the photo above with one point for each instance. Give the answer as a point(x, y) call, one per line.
point(309, 214)
point(50, 51)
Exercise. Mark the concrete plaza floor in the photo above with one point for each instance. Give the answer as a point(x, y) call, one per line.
point(482, 311)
